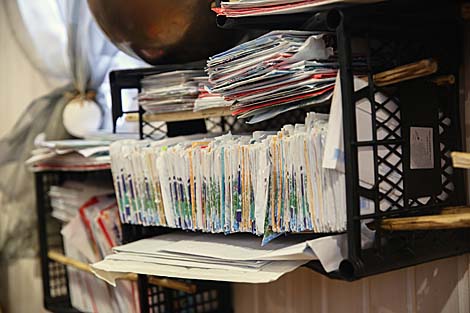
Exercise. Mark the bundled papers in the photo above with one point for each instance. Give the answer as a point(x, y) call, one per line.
point(169, 92)
point(178, 91)
point(70, 155)
point(207, 99)
point(89, 235)
point(67, 199)
point(260, 184)
point(241, 8)
point(235, 258)
point(275, 73)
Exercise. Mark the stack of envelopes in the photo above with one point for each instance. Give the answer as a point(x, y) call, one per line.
point(209, 100)
point(243, 8)
point(70, 155)
point(275, 73)
point(236, 258)
point(268, 182)
point(170, 91)
point(89, 234)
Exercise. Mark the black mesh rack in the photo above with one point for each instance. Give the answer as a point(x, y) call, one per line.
point(210, 297)
point(389, 35)
point(54, 274)
point(392, 34)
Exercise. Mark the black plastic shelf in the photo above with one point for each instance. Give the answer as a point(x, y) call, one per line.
point(211, 297)
point(54, 275)
point(130, 79)
point(395, 33)
point(421, 104)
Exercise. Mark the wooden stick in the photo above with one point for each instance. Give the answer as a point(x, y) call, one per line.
point(406, 72)
point(180, 116)
point(162, 282)
point(444, 80)
point(461, 159)
point(60, 258)
point(444, 221)
point(411, 67)
point(399, 79)
point(456, 210)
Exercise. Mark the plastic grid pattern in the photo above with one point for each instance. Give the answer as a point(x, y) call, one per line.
point(391, 194)
point(207, 300)
point(58, 284)
point(390, 162)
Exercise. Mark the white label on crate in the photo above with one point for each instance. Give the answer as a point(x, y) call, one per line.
point(421, 148)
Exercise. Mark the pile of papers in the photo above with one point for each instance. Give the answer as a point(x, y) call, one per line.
point(207, 99)
point(67, 199)
point(275, 73)
point(90, 234)
point(241, 8)
point(263, 184)
point(171, 91)
point(234, 258)
point(70, 155)
point(178, 91)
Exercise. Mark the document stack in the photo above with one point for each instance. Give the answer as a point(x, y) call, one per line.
point(234, 258)
point(92, 229)
point(171, 91)
point(67, 199)
point(207, 99)
point(242, 8)
point(70, 155)
point(275, 73)
point(265, 183)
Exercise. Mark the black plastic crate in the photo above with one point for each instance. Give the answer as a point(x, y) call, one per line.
point(209, 297)
point(399, 190)
point(54, 274)
point(394, 33)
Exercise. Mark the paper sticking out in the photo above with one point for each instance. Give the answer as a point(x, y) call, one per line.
point(234, 258)
point(334, 145)
point(178, 91)
point(70, 155)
